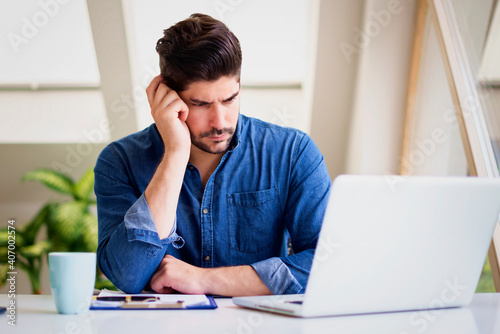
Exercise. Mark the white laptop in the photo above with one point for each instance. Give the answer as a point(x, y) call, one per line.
point(392, 243)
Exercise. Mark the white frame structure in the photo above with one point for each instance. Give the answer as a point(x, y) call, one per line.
point(464, 90)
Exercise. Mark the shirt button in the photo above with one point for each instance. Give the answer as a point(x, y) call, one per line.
point(191, 167)
point(205, 211)
point(206, 258)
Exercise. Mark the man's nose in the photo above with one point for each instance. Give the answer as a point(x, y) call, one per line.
point(217, 115)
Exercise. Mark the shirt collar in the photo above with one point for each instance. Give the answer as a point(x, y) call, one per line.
point(235, 141)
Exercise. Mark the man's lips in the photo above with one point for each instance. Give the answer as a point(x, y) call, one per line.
point(218, 135)
point(218, 138)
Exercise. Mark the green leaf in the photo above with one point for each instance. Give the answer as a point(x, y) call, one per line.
point(89, 233)
point(52, 179)
point(105, 284)
point(4, 269)
point(59, 246)
point(36, 250)
point(66, 220)
point(4, 237)
point(4, 254)
point(30, 231)
point(85, 186)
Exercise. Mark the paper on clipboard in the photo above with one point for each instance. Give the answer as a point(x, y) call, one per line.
point(165, 301)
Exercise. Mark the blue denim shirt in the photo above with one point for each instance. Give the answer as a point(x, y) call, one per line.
point(272, 183)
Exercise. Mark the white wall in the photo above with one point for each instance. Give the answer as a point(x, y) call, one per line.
point(334, 81)
point(384, 42)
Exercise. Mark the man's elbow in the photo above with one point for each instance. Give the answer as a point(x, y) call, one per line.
point(130, 287)
point(128, 282)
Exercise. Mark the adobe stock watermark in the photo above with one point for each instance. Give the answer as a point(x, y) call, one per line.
point(393, 181)
point(250, 324)
point(76, 325)
point(75, 154)
point(424, 148)
point(281, 116)
point(12, 273)
point(376, 22)
point(32, 25)
point(449, 294)
point(125, 103)
point(324, 249)
point(223, 6)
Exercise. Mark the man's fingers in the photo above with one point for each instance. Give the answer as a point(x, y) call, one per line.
point(165, 291)
point(160, 98)
point(181, 108)
point(156, 282)
point(162, 289)
point(171, 103)
point(153, 86)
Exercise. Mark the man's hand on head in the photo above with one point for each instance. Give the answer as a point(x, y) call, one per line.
point(170, 114)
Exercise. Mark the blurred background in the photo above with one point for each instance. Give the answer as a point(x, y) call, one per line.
point(73, 76)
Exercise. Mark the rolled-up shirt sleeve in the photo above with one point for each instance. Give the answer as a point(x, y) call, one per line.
point(140, 226)
point(129, 248)
point(278, 278)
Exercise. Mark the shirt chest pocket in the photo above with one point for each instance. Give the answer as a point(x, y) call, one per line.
point(254, 220)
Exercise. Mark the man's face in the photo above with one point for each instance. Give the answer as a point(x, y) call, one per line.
point(213, 112)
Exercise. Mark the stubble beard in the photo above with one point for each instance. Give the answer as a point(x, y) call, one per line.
point(198, 142)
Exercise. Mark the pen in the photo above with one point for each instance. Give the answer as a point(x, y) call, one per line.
point(127, 298)
point(178, 304)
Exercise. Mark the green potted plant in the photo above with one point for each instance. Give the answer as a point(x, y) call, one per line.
point(68, 224)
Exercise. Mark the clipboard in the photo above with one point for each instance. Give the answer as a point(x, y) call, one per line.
point(154, 302)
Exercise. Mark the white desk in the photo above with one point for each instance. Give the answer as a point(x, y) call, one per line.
point(37, 314)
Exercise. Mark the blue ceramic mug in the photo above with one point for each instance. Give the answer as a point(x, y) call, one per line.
point(72, 280)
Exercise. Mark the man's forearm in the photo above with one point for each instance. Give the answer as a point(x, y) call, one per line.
point(175, 275)
point(162, 194)
point(234, 281)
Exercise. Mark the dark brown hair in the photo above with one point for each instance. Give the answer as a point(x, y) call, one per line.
point(199, 48)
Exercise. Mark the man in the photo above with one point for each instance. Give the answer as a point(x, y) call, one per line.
point(204, 200)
